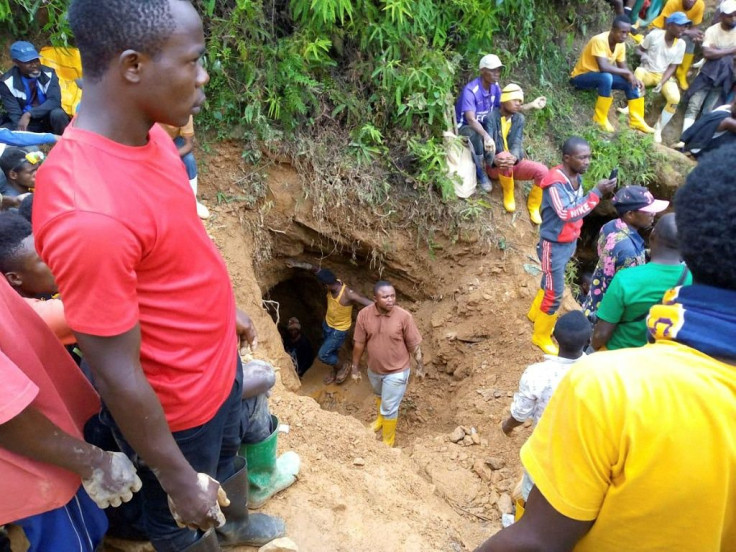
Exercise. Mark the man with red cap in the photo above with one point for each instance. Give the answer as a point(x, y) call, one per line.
point(619, 243)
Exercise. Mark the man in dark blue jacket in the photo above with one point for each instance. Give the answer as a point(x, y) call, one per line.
point(30, 93)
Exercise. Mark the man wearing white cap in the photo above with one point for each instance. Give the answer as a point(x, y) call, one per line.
point(31, 94)
point(716, 76)
point(619, 243)
point(478, 98)
point(662, 53)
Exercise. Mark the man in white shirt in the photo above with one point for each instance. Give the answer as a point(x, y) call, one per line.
point(661, 53)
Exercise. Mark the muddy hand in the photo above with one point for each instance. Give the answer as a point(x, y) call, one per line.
point(246, 331)
point(200, 508)
point(113, 480)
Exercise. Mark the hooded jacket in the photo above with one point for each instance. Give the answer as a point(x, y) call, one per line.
point(564, 207)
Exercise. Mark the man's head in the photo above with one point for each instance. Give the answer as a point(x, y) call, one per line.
point(490, 68)
point(636, 206)
point(676, 24)
point(663, 239)
point(576, 155)
point(728, 14)
point(512, 96)
point(294, 327)
point(572, 332)
point(705, 209)
point(19, 263)
point(20, 168)
point(620, 29)
point(384, 295)
point(328, 278)
point(148, 51)
point(26, 59)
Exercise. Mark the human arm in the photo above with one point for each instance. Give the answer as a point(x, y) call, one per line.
point(539, 102)
point(417, 354)
point(472, 122)
point(53, 98)
point(293, 263)
point(6, 202)
point(115, 363)
point(356, 298)
point(619, 68)
point(525, 401)
point(710, 50)
point(729, 124)
point(109, 477)
point(51, 312)
point(573, 210)
point(12, 108)
point(358, 349)
point(540, 529)
point(671, 68)
point(246, 331)
point(187, 146)
point(602, 332)
point(20, 139)
point(609, 313)
point(516, 137)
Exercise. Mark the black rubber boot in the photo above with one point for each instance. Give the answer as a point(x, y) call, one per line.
point(208, 543)
point(242, 528)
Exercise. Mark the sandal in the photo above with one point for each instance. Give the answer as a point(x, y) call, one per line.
point(342, 375)
point(330, 377)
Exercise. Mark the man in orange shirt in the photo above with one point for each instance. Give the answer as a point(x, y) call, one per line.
point(390, 335)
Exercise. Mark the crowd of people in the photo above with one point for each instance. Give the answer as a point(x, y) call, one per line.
point(126, 409)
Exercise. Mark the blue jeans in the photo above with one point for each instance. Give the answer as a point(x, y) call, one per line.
point(554, 258)
point(256, 420)
point(78, 526)
point(189, 162)
point(210, 448)
point(333, 340)
point(604, 82)
point(391, 388)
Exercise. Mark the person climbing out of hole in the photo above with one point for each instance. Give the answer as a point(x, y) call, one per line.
point(340, 301)
point(506, 127)
point(391, 337)
point(539, 381)
point(298, 346)
point(564, 205)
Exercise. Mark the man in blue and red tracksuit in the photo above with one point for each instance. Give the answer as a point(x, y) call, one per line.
point(564, 205)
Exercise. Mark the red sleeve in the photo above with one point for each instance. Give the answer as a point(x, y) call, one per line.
point(359, 332)
point(571, 211)
point(17, 390)
point(93, 258)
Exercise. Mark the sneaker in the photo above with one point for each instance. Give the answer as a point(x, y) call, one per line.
point(485, 185)
point(202, 211)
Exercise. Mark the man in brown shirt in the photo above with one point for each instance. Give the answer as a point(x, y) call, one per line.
point(391, 337)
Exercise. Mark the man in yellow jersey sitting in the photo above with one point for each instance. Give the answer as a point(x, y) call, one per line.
point(635, 450)
point(337, 322)
point(602, 66)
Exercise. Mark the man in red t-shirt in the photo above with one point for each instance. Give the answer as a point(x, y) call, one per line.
point(145, 290)
point(52, 483)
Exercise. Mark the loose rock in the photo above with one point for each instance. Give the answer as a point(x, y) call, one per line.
point(359, 462)
point(457, 435)
point(495, 462)
point(505, 504)
point(481, 470)
point(284, 544)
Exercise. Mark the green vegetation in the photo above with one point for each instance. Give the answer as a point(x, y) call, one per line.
point(357, 93)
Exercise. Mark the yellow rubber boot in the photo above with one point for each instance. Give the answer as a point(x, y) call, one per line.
point(542, 337)
point(602, 107)
point(389, 431)
point(534, 309)
point(682, 71)
point(636, 116)
point(507, 185)
point(533, 203)
point(378, 422)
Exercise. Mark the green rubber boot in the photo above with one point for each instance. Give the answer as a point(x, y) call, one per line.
point(268, 475)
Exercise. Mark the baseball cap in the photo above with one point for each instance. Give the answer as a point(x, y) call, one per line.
point(637, 198)
point(23, 51)
point(490, 61)
point(678, 18)
point(512, 92)
point(728, 6)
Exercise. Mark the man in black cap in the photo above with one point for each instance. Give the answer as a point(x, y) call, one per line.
point(619, 243)
point(30, 93)
point(337, 322)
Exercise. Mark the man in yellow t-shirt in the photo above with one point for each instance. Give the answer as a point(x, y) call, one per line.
point(602, 66)
point(636, 450)
point(693, 10)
